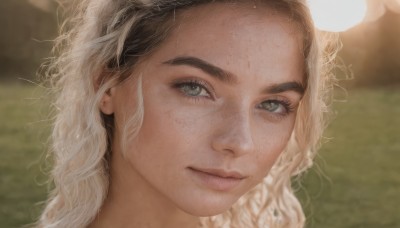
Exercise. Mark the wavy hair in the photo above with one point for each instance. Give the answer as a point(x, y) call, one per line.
point(98, 48)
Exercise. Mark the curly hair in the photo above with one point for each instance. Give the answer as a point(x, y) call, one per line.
point(100, 45)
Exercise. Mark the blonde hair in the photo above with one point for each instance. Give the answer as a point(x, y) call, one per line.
point(101, 45)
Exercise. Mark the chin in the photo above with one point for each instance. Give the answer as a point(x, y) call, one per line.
point(209, 206)
point(202, 212)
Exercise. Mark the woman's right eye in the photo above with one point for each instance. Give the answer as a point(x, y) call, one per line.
point(192, 89)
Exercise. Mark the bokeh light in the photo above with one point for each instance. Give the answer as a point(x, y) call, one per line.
point(337, 15)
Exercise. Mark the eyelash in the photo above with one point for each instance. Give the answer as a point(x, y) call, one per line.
point(180, 84)
point(286, 105)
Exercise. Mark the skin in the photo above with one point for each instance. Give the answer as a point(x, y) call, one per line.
point(201, 123)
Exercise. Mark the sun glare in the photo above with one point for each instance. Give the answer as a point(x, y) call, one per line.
point(337, 15)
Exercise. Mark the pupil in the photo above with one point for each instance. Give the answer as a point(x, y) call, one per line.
point(193, 90)
point(271, 106)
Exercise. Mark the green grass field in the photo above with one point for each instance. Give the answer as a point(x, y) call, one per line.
point(355, 183)
point(22, 137)
point(361, 186)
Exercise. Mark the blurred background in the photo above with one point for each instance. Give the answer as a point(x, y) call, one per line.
point(356, 179)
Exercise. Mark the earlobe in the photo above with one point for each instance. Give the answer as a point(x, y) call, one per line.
point(106, 103)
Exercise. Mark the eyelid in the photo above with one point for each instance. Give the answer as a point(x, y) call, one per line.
point(201, 82)
point(287, 104)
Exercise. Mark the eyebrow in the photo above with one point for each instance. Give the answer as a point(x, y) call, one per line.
point(204, 66)
point(225, 76)
point(284, 87)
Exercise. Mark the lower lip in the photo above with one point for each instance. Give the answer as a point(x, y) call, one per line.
point(215, 182)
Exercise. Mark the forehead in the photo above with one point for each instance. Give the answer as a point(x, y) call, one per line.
point(241, 38)
point(235, 19)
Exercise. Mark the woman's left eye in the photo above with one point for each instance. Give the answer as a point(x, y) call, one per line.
point(275, 106)
point(192, 89)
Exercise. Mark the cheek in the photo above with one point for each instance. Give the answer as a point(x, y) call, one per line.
point(125, 104)
point(167, 126)
point(166, 137)
point(271, 142)
point(158, 153)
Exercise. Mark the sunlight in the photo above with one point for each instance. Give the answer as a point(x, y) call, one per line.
point(337, 15)
point(378, 8)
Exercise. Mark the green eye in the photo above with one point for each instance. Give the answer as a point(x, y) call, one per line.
point(276, 106)
point(191, 89)
point(271, 106)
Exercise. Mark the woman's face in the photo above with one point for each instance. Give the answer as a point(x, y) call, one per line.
point(220, 100)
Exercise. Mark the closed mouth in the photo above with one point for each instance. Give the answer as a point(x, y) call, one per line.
point(221, 173)
point(217, 179)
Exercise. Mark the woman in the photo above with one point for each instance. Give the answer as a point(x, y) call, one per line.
point(189, 113)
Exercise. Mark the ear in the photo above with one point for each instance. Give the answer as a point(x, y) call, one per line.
point(106, 102)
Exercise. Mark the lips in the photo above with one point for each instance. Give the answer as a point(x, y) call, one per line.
point(217, 179)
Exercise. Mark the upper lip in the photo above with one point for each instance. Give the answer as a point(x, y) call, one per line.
point(220, 172)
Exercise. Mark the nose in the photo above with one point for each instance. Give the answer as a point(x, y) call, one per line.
point(233, 135)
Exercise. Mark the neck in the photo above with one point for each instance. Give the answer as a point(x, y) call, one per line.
point(133, 202)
